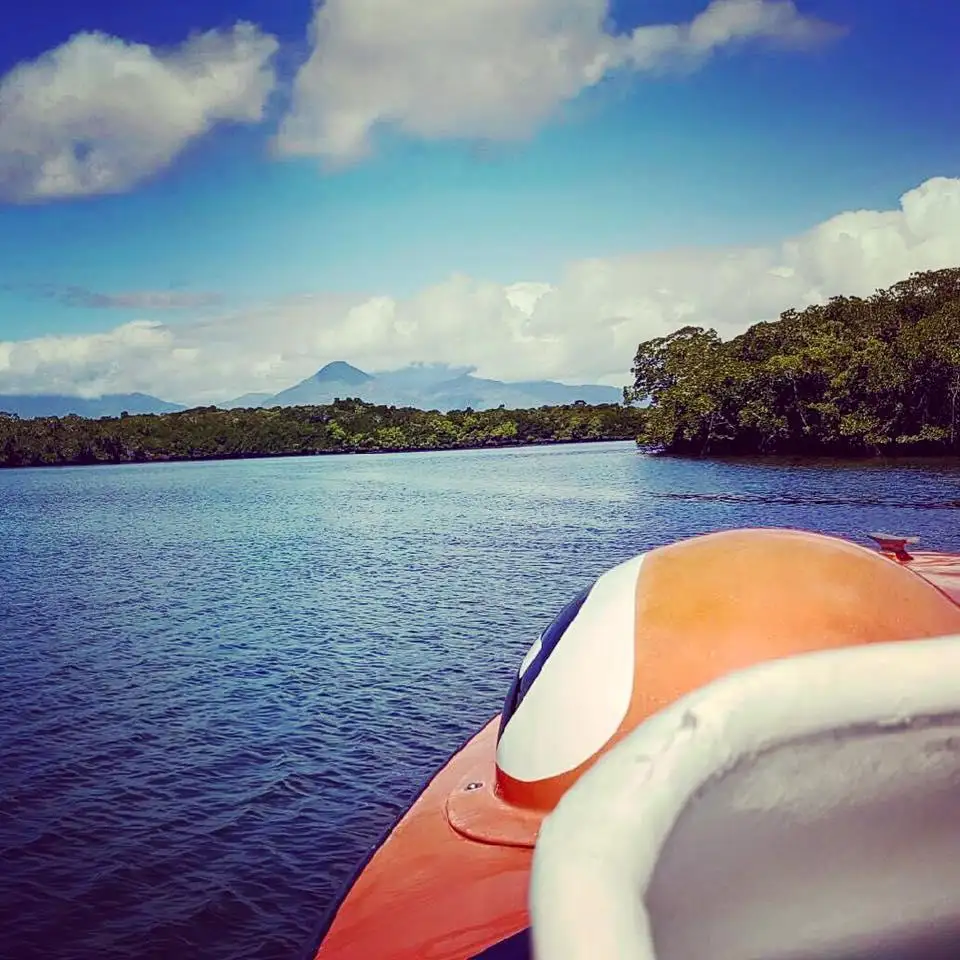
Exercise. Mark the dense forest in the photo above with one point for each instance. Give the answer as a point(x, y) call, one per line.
point(346, 426)
point(852, 377)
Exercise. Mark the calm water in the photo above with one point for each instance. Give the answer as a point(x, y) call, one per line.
point(219, 682)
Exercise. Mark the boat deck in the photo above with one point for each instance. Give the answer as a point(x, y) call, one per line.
point(940, 569)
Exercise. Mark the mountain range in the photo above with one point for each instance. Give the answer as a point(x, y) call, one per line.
point(57, 405)
point(425, 386)
point(428, 387)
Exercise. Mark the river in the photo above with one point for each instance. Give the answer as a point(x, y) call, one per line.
point(219, 682)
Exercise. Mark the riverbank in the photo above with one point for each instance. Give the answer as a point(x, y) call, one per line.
point(344, 427)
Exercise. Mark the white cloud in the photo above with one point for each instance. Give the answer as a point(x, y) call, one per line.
point(98, 115)
point(490, 69)
point(584, 328)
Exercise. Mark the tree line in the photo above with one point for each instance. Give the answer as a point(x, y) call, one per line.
point(853, 377)
point(345, 426)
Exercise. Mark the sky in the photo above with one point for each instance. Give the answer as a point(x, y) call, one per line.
point(207, 199)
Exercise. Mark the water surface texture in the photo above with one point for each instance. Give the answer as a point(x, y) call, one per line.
point(219, 682)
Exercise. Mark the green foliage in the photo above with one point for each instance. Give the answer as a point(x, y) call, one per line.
point(851, 377)
point(345, 426)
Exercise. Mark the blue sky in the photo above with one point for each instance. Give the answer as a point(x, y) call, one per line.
point(756, 142)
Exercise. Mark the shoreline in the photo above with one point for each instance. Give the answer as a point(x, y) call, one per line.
point(343, 427)
point(209, 458)
point(879, 459)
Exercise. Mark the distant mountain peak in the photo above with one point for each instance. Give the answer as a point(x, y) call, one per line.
point(339, 371)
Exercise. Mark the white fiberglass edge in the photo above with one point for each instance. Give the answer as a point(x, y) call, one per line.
point(804, 808)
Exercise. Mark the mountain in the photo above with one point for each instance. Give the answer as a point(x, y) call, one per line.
point(480, 394)
point(247, 400)
point(429, 387)
point(337, 379)
point(109, 405)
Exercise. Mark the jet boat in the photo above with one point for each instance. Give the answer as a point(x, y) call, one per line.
point(741, 746)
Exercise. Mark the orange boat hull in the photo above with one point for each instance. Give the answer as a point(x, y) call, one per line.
point(451, 880)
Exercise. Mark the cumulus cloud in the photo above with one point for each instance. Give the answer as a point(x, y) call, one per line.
point(491, 69)
point(98, 115)
point(87, 365)
point(584, 328)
